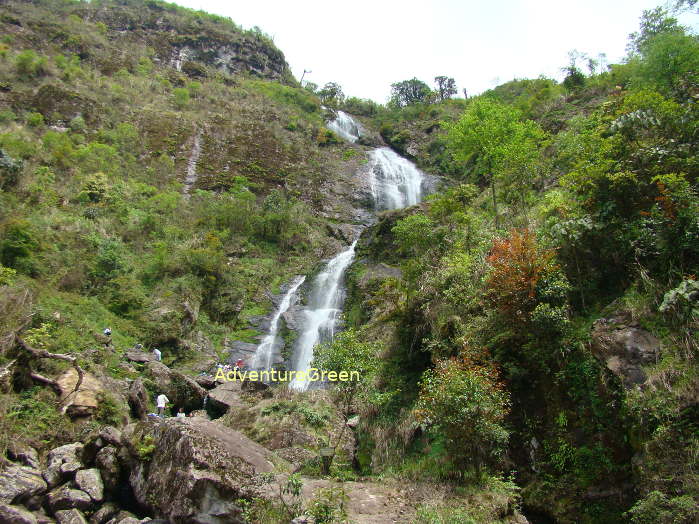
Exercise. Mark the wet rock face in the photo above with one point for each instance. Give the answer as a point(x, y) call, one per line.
point(625, 348)
point(196, 471)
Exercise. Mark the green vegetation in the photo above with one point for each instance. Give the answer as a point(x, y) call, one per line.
point(482, 322)
point(568, 203)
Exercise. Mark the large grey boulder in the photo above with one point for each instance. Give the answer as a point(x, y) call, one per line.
point(62, 462)
point(65, 497)
point(224, 397)
point(624, 348)
point(136, 355)
point(181, 390)
point(25, 455)
point(138, 399)
point(107, 460)
point(197, 470)
point(20, 483)
point(90, 481)
point(15, 515)
point(70, 516)
point(104, 514)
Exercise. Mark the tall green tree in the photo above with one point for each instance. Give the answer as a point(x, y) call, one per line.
point(410, 92)
point(505, 148)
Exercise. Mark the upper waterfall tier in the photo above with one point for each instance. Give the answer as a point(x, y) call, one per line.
point(345, 126)
point(395, 181)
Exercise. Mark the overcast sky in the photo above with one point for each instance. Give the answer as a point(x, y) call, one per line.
point(365, 45)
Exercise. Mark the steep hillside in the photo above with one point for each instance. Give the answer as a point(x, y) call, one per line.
point(525, 336)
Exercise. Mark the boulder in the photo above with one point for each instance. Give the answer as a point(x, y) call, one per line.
point(90, 481)
point(15, 515)
point(65, 497)
point(182, 390)
point(256, 386)
point(70, 516)
point(25, 455)
point(107, 461)
point(224, 397)
point(136, 355)
point(81, 403)
point(19, 483)
point(206, 381)
point(104, 514)
point(197, 470)
point(62, 462)
point(111, 435)
point(138, 399)
point(625, 348)
point(124, 517)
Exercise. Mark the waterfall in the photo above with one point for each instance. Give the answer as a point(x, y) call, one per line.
point(191, 177)
point(345, 126)
point(265, 351)
point(395, 181)
point(321, 314)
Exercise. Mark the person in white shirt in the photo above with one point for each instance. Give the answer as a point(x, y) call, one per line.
point(161, 402)
point(158, 354)
point(181, 413)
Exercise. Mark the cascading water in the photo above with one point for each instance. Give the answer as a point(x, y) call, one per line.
point(395, 181)
point(321, 315)
point(345, 126)
point(265, 351)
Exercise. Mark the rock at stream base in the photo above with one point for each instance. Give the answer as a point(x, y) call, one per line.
point(62, 462)
point(15, 515)
point(90, 481)
point(197, 470)
point(19, 483)
point(65, 497)
point(70, 516)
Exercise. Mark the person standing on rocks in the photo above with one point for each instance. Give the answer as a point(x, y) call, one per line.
point(161, 402)
point(158, 355)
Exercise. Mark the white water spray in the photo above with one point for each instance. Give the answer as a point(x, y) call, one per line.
point(265, 351)
point(345, 126)
point(321, 315)
point(395, 181)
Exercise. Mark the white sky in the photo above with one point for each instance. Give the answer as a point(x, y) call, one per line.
point(367, 45)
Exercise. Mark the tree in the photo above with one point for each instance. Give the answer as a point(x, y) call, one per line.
point(501, 144)
point(575, 78)
point(467, 405)
point(446, 87)
point(347, 353)
point(331, 94)
point(410, 92)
